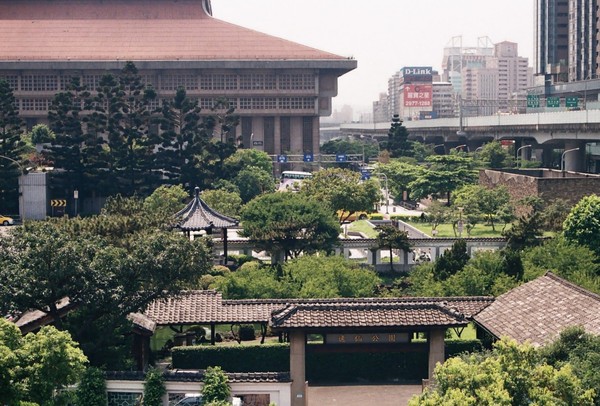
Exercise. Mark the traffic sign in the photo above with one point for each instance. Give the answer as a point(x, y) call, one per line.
point(58, 203)
point(309, 157)
point(552, 101)
point(341, 158)
point(533, 100)
point(572, 101)
point(282, 158)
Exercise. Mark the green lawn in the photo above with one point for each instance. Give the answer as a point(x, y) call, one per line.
point(364, 227)
point(445, 230)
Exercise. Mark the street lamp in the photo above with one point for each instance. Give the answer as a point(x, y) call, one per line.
point(21, 197)
point(517, 157)
point(387, 192)
point(562, 159)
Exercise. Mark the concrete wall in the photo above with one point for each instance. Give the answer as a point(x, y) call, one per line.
point(125, 392)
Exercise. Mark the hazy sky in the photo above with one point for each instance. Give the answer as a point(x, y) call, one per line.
point(383, 35)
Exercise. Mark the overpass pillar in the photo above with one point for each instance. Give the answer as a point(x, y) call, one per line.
point(574, 160)
point(547, 156)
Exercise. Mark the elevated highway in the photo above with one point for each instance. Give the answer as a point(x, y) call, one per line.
point(546, 131)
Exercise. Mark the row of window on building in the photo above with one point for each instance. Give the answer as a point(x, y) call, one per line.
point(53, 83)
point(243, 103)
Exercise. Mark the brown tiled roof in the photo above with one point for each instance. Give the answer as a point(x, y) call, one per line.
point(539, 310)
point(187, 375)
point(364, 314)
point(198, 215)
point(198, 307)
point(34, 319)
point(137, 30)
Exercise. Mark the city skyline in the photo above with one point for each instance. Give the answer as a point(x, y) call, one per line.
point(365, 33)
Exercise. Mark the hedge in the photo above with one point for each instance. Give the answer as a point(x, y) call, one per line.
point(351, 366)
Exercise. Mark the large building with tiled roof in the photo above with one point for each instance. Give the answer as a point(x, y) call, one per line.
point(539, 310)
point(277, 87)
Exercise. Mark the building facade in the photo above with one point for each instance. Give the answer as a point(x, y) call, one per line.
point(551, 38)
point(278, 88)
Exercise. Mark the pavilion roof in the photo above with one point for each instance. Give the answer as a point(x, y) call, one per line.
point(198, 215)
point(539, 310)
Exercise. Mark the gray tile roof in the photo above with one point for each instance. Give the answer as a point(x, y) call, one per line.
point(539, 310)
point(199, 307)
point(366, 314)
point(197, 215)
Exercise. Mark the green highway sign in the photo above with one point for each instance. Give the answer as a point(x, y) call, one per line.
point(572, 101)
point(533, 100)
point(552, 101)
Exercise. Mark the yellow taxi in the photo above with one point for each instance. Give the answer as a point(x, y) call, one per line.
point(6, 221)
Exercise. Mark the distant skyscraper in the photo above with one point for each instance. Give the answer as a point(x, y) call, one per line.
point(551, 38)
point(566, 40)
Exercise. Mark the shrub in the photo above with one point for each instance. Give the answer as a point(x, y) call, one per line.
point(247, 333)
point(216, 387)
point(91, 391)
point(376, 216)
point(154, 388)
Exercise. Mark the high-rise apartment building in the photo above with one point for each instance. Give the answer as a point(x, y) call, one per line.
point(566, 40)
point(551, 38)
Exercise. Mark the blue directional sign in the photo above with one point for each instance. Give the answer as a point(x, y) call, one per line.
point(309, 157)
point(282, 158)
point(365, 174)
point(341, 158)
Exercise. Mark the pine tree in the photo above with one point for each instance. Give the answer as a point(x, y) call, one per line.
point(398, 144)
point(11, 147)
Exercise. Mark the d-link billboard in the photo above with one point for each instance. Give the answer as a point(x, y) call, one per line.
point(417, 74)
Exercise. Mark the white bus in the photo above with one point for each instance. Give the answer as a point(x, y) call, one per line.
point(291, 180)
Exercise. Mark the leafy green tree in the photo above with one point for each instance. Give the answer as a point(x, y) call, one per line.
point(511, 374)
point(49, 361)
point(451, 261)
point(445, 174)
point(582, 225)
point(391, 238)
point(567, 259)
point(91, 391)
point(251, 281)
point(581, 351)
point(399, 175)
point(244, 158)
point(342, 191)
point(397, 143)
point(253, 181)
point(289, 224)
point(11, 147)
point(216, 385)
point(41, 133)
point(225, 202)
point(495, 155)
point(313, 276)
point(479, 199)
point(437, 214)
point(10, 341)
point(154, 388)
point(166, 200)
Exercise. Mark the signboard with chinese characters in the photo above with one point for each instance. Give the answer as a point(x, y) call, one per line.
point(533, 100)
point(418, 95)
point(552, 101)
point(572, 101)
point(368, 338)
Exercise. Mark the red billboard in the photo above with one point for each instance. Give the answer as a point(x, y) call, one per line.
point(419, 95)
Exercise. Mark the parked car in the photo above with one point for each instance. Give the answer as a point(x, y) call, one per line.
point(6, 221)
point(195, 399)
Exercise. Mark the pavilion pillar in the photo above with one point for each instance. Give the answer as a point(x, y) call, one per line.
point(297, 367)
point(212, 333)
point(436, 349)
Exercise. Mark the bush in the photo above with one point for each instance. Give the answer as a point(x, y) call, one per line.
point(154, 388)
point(91, 391)
point(247, 333)
point(376, 216)
point(216, 387)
